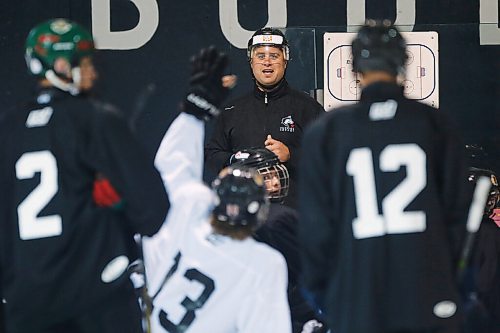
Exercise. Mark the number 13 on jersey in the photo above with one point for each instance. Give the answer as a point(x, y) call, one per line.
point(394, 219)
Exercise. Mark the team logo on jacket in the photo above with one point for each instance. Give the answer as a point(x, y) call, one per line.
point(287, 124)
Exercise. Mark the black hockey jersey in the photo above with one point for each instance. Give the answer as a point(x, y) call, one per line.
point(280, 232)
point(60, 253)
point(380, 192)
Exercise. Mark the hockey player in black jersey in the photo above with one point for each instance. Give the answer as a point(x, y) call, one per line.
point(63, 258)
point(380, 193)
point(280, 231)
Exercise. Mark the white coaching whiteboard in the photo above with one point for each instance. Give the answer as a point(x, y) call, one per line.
point(422, 69)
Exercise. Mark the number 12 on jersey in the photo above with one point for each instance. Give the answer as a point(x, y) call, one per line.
point(393, 220)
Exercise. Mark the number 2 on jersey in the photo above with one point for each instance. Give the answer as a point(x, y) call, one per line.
point(394, 220)
point(30, 225)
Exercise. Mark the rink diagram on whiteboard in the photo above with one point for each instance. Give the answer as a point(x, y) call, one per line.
point(421, 82)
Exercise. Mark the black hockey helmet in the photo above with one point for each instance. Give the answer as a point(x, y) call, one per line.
point(379, 46)
point(241, 196)
point(268, 37)
point(276, 176)
point(494, 196)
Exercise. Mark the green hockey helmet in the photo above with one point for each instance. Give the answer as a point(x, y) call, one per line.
point(53, 39)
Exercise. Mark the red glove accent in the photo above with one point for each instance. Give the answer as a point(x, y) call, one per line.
point(105, 195)
point(495, 216)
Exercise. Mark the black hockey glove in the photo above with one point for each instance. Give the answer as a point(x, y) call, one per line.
point(206, 92)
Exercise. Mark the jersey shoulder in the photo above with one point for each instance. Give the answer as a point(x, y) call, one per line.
point(9, 117)
point(266, 256)
point(437, 119)
point(100, 117)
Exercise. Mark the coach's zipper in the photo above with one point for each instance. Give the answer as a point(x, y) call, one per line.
point(266, 114)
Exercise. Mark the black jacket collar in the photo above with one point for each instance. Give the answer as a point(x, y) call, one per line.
point(278, 91)
point(382, 91)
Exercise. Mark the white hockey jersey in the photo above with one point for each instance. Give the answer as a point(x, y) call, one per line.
point(199, 281)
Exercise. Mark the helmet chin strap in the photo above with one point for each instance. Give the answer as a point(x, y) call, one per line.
point(56, 81)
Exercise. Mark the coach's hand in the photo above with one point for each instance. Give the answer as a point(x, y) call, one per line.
point(207, 85)
point(278, 148)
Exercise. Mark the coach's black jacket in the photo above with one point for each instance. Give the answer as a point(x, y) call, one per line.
point(56, 245)
point(282, 113)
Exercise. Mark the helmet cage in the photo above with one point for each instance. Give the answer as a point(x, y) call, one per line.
point(276, 175)
point(277, 181)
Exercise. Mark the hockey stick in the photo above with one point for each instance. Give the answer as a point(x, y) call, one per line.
point(476, 212)
point(140, 104)
point(145, 300)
